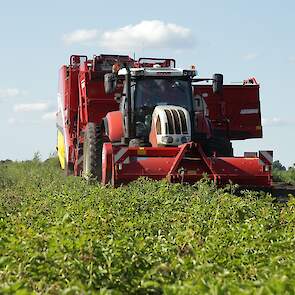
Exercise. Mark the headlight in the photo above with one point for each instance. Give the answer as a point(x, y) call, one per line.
point(167, 139)
point(183, 139)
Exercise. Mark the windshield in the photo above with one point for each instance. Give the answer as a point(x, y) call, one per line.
point(151, 92)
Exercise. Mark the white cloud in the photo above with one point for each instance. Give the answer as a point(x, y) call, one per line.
point(148, 34)
point(291, 59)
point(11, 121)
point(50, 116)
point(278, 122)
point(23, 121)
point(80, 36)
point(9, 92)
point(250, 56)
point(30, 107)
point(153, 34)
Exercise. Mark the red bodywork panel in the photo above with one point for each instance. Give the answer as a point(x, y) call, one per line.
point(83, 99)
point(185, 163)
point(115, 126)
point(235, 113)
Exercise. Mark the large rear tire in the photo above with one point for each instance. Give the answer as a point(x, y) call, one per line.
point(107, 164)
point(92, 149)
point(69, 168)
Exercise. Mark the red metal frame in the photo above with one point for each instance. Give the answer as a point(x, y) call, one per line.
point(187, 163)
point(235, 113)
point(84, 100)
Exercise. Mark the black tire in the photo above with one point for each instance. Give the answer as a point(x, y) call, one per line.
point(111, 180)
point(219, 145)
point(69, 169)
point(92, 149)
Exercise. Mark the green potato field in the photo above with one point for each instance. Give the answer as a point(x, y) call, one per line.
point(61, 235)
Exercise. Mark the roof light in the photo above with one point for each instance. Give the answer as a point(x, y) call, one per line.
point(189, 73)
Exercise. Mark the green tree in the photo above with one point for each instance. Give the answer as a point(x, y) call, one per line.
point(277, 165)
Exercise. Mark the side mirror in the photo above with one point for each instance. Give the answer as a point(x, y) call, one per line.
point(110, 83)
point(217, 83)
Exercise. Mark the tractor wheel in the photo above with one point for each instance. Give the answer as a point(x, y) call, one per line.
point(92, 149)
point(107, 164)
point(69, 168)
point(219, 145)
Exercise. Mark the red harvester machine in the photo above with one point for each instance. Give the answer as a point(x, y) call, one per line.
point(119, 119)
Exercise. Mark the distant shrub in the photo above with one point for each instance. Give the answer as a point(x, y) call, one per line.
point(278, 166)
point(287, 176)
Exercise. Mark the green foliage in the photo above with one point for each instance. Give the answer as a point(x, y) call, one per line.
point(278, 166)
point(37, 157)
point(63, 236)
point(287, 176)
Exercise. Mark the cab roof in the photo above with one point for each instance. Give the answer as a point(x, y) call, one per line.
point(157, 71)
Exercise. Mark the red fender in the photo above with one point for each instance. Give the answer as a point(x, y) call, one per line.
point(115, 127)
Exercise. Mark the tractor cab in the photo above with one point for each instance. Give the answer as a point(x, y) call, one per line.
point(160, 89)
point(156, 102)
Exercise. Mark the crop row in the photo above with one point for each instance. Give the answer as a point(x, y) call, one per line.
point(62, 235)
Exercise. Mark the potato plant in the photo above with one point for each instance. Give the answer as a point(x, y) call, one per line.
point(61, 235)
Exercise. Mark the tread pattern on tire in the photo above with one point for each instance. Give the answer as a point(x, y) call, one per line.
point(92, 149)
point(69, 169)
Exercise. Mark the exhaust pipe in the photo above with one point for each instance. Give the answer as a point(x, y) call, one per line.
point(130, 130)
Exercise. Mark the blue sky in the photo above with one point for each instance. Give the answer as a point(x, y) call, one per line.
point(237, 38)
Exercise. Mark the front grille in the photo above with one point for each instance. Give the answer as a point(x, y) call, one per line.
point(183, 122)
point(170, 122)
point(177, 123)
